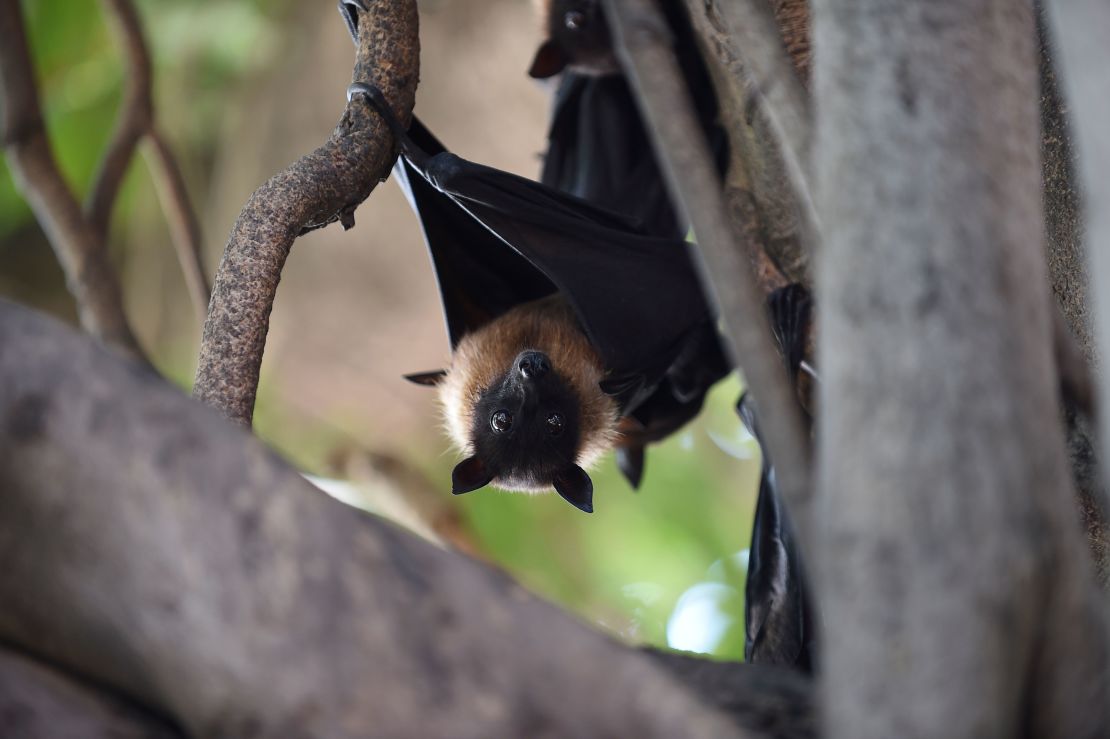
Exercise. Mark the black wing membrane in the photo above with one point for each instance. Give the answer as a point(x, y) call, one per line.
point(778, 610)
point(599, 148)
point(498, 240)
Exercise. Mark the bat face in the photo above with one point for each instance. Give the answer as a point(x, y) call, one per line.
point(577, 37)
point(525, 426)
point(522, 399)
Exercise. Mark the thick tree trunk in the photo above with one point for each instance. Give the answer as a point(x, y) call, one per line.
point(956, 597)
point(37, 702)
point(154, 547)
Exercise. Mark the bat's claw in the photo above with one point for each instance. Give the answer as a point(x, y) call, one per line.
point(349, 10)
point(380, 104)
point(377, 100)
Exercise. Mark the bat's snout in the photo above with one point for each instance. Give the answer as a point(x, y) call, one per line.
point(533, 365)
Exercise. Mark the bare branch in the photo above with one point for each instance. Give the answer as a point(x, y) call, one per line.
point(776, 701)
point(135, 117)
point(37, 702)
point(194, 572)
point(184, 228)
point(743, 40)
point(754, 40)
point(320, 188)
point(641, 38)
point(1078, 28)
point(83, 256)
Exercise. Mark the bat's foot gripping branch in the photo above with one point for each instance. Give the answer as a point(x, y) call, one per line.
point(377, 100)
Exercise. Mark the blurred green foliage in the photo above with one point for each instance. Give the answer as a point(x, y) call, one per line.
point(197, 45)
point(628, 566)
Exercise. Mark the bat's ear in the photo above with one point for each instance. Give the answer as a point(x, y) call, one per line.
point(549, 61)
point(469, 474)
point(427, 378)
point(576, 487)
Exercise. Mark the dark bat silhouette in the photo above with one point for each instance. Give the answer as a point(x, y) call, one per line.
point(572, 330)
point(779, 611)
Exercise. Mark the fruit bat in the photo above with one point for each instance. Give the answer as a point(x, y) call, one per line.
point(577, 38)
point(598, 147)
point(598, 144)
point(572, 330)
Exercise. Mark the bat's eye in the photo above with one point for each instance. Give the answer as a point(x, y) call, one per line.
point(501, 421)
point(554, 424)
point(574, 20)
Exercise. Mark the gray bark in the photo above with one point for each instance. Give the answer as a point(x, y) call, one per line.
point(152, 546)
point(37, 702)
point(1079, 42)
point(955, 594)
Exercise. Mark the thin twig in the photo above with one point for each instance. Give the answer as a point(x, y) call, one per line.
point(136, 122)
point(82, 255)
point(135, 116)
point(641, 38)
point(184, 228)
point(318, 189)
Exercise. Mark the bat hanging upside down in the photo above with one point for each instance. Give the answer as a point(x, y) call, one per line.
point(523, 399)
point(573, 331)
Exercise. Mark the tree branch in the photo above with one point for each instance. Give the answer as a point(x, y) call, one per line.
point(641, 38)
point(1077, 32)
point(37, 702)
point(83, 256)
point(184, 228)
point(135, 117)
point(136, 122)
point(771, 143)
point(773, 701)
point(195, 573)
point(321, 187)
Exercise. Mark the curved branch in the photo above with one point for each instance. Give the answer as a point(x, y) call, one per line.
point(184, 228)
point(767, 699)
point(194, 572)
point(641, 39)
point(82, 255)
point(37, 702)
point(321, 187)
point(135, 117)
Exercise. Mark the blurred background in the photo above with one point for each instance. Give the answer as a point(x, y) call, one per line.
point(244, 87)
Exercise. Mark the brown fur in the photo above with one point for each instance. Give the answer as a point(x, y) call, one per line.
point(546, 325)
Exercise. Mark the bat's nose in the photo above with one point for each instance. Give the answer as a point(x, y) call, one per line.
point(533, 365)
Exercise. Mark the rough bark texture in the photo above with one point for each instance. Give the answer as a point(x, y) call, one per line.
point(37, 702)
point(318, 189)
point(642, 43)
point(763, 203)
point(194, 572)
point(955, 594)
point(1067, 263)
point(1078, 42)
